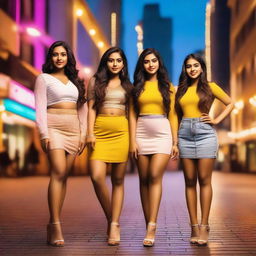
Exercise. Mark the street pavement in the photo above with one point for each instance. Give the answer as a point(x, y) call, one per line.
point(24, 215)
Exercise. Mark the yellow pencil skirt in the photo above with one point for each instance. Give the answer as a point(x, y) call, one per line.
point(112, 139)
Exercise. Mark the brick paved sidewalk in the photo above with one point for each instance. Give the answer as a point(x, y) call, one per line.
point(24, 214)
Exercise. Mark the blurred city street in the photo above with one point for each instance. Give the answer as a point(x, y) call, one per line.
point(23, 218)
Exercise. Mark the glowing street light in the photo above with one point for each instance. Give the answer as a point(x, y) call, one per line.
point(92, 32)
point(252, 100)
point(239, 104)
point(33, 32)
point(100, 44)
point(79, 12)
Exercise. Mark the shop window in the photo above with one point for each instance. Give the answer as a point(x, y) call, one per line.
point(251, 156)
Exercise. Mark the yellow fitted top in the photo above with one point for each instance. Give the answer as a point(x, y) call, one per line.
point(189, 101)
point(151, 101)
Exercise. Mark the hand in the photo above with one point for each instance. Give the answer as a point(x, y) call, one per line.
point(205, 118)
point(45, 145)
point(175, 152)
point(90, 141)
point(134, 150)
point(82, 145)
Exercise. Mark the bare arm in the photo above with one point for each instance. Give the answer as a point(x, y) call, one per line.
point(132, 130)
point(173, 119)
point(91, 114)
point(225, 99)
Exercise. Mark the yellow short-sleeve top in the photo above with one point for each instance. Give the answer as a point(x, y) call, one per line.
point(189, 101)
point(151, 101)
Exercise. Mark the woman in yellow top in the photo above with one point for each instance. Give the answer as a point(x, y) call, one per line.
point(198, 144)
point(153, 132)
point(108, 137)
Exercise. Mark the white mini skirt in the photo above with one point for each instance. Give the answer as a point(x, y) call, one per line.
point(153, 135)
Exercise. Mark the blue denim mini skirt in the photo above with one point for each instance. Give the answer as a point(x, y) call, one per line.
point(197, 139)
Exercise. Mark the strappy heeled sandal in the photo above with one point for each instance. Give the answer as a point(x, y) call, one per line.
point(57, 242)
point(194, 239)
point(114, 241)
point(149, 242)
point(203, 238)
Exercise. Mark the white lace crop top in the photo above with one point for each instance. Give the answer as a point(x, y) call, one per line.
point(56, 91)
point(50, 90)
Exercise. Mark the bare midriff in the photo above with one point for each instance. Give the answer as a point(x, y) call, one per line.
point(111, 112)
point(64, 105)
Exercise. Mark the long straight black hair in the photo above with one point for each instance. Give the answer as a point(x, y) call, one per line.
point(70, 69)
point(140, 77)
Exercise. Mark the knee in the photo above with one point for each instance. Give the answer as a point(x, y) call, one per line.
point(204, 181)
point(60, 175)
point(155, 178)
point(97, 179)
point(117, 181)
point(143, 181)
point(191, 183)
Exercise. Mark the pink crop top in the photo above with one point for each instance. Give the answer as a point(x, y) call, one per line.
point(50, 90)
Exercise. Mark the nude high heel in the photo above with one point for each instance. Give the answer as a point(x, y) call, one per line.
point(113, 241)
point(149, 242)
point(204, 234)
point(57, 242)
point(194, 238)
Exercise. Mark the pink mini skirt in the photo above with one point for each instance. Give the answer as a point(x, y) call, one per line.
point(153, 135)
point(63, 129)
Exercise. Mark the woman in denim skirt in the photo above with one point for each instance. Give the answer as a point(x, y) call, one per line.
point(198, 145)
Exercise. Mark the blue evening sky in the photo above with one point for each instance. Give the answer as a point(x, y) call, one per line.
point(188, 17)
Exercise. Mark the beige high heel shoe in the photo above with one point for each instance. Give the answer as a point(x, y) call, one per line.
point(204, 234)
point(149, 242)
point(57, 242)
point(114, 241)
point(194, 238)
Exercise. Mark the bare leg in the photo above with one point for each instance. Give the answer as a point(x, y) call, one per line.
point(69, 163)
point(143, 166)
point(98, 177)
point(190, 175)
point(56, 192)
point(117, 178)
point(205, 167)
point(158, 163)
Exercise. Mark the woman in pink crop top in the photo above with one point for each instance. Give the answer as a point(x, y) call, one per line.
point(61, 116)
point(197, 139)
point(108, 137)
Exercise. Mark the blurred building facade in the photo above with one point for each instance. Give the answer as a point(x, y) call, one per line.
point(157, 33)
point(218, 67)
point(28, 27)
point(242, 80)
point(231, 60)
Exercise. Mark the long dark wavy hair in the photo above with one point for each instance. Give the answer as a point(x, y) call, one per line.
point(70, 69)
point(140, 77)
point(103, 76)
point(203, 89)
